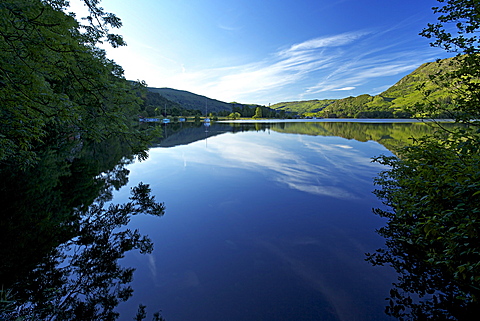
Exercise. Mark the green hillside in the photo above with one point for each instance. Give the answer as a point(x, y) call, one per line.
point(396, 102)
point(405, 93)
point(191, 101)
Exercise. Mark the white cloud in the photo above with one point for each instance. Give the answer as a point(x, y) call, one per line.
point(344, 88)
point(286, 67)
point(335, 63)
point(331, 41)
point(349, 74)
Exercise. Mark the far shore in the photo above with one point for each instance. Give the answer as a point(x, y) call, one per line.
point(337, 120)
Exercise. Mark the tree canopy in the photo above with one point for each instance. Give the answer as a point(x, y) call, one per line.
point(55, 82)
point(258, 112)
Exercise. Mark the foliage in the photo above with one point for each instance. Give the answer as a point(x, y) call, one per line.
point(347, 107)
point(67, 128)
point(433, 225)
point(258, 113)
point(234, 115)
point(142, 314)
point(433, 189)
point(54, 80)
point(248, 111)
point(463, 40)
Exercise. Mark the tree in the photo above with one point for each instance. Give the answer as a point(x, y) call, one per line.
point(60, 93)
point(462, 40)
point(432, 190)
point(54, 81)
point(258, 113)
point(234, 115)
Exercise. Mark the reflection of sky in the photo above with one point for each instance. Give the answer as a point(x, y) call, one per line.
point(256, 218)
point(328, 166)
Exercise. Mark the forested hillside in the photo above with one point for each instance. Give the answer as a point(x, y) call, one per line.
point(191, 101)
point(155, 104)
point(398, 101)
point(168, 102)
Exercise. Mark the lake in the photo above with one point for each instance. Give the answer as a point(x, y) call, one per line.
point(263, 222)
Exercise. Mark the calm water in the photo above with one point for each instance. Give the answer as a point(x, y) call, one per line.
point(266, 224)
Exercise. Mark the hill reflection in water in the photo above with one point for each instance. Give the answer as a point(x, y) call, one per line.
point(392, 135)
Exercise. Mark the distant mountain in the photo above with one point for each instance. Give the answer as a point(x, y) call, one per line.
point(191, 101)
point(156, 105)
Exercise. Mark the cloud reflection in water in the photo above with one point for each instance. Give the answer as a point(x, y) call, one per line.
point(320, 167)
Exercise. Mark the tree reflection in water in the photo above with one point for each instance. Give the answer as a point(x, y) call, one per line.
point(61, 243)
point(431, 233)
point(423, 292)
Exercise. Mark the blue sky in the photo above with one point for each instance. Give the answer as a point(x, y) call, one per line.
point(269, 51)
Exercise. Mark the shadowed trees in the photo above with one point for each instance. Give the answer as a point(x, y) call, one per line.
point(55, 81)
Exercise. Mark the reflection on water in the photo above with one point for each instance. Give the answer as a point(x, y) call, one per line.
point(60, 253)
point(391, 135)
point(265, 222)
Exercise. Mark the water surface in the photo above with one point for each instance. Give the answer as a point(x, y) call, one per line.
point(261, 224)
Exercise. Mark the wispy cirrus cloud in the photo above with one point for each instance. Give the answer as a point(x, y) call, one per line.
point(315, 67)
point(359, 73)
point(344, 88)
point(330, 41)
point(282, 68)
